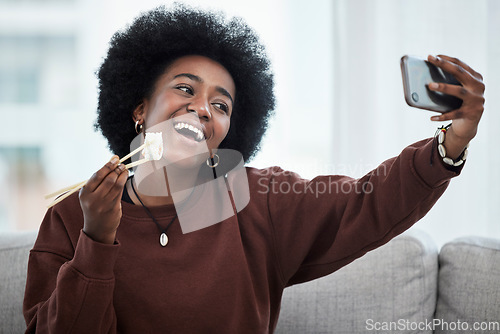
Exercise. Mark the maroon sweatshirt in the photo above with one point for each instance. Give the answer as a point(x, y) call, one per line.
point(229, 277)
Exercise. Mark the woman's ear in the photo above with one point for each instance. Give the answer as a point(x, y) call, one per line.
point(139, 112)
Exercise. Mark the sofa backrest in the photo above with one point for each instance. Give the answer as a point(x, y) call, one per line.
point(469, 286)
point(14, 252)
point(396, 282)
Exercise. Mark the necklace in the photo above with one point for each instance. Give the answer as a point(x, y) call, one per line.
point(163, 232)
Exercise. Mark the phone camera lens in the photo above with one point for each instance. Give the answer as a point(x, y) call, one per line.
point(414, 96)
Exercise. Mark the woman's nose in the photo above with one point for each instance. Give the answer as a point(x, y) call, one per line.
point(201, 107)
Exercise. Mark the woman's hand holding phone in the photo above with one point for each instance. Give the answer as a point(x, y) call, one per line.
point(465, 119)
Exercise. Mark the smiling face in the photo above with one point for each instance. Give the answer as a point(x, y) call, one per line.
point(196, 94)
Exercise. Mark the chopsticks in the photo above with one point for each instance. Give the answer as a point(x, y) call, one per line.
point(153, 150)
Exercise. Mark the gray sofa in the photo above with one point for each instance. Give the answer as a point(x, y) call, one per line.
point(405, 286)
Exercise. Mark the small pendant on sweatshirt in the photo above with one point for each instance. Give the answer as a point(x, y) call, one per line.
point(163, 239)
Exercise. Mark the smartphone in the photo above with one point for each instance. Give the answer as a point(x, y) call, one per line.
point(417, 75)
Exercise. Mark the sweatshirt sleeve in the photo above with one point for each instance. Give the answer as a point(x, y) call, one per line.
point(70, 281)
point(323, 224)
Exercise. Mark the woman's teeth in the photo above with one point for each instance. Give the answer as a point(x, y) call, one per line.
point(196, 133)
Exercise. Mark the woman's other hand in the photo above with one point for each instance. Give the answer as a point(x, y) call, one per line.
point(100, 200)
point(465, 119)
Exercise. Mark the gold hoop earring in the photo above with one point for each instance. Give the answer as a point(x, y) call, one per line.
point(211, 159)
point(137, 125)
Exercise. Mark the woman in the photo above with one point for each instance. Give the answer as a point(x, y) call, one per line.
point(97, 266)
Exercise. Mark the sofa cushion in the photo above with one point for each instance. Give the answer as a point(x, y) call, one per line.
point(390, 286)
point(469, 286)
point(14, 252)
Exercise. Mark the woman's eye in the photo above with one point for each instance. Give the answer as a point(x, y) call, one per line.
point(185, 89)
point(221, 106)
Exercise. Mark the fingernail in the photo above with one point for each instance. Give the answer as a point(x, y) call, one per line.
point(121, 167)
point(435, 118)
point(114, 160)
point(431, 57)
point(433, 85)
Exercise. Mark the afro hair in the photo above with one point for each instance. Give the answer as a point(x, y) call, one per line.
point(140, 54)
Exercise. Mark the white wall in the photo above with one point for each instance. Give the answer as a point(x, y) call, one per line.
point(372, 121)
